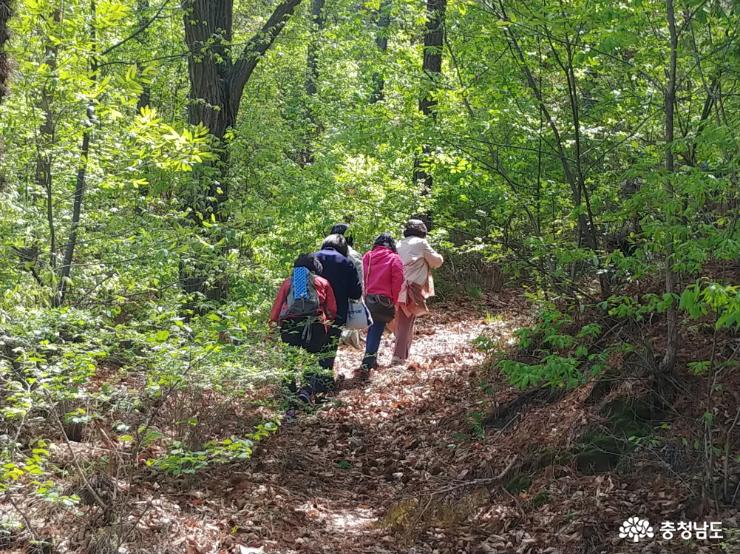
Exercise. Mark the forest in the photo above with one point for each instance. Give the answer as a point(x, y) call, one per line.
point(574, 387)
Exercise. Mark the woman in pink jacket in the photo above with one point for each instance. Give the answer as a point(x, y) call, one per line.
point(383, 272)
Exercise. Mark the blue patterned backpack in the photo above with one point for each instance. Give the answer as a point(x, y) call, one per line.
point(303, 300)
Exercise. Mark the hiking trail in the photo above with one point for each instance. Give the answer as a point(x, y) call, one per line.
point(337, 480)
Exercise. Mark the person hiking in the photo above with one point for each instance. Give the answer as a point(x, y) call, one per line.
point(304, 310)
point(341, 274)
point(383, 280)
point(419, 258)
point(353, 255)
point(350, 336)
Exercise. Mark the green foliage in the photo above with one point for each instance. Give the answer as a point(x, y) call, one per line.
point(179, 460)
point(559, 179)
point(723, 301)
point(565, 354)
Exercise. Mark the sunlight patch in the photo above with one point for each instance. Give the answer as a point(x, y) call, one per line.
point(354, 520)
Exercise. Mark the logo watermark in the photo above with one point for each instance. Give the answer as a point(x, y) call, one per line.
point(636, 529)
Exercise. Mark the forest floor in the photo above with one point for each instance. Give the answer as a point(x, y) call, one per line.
point(407, 462)
point(439, 455)
point(342, 478)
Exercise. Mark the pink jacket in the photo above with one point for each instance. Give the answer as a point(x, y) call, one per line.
point(383, 271)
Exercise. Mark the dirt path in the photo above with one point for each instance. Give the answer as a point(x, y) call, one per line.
point(328, 480)
point(409, 463)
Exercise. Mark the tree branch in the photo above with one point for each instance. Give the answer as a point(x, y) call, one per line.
point(256, 48)
point(143, 27)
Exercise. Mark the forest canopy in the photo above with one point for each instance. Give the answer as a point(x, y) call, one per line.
point(162, 162)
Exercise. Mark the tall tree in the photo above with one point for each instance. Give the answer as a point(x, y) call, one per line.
point(381, 41)
point(218, 76)
point(669, 101)
point(142, 7)
point(312, 59)
point(4, 36)
point(434, 39)
point(45, 139)
point(65, 269)
point(312, 77)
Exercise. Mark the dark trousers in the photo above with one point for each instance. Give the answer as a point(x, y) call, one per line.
point(329, 350)
point(311, 336)
point(316, 339)
point(374, 336)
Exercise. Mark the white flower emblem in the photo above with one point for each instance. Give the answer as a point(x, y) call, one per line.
point(635, 529)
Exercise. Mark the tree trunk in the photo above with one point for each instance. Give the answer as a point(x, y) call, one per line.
point(79, 194)
point(81, 181)
point(217, 82)
point(669, 97)
point(312, 78)
point(434, 38)
point(142, 7)
point(5, 13)
point(44, 158)
point(381, 41)
point(312, 61)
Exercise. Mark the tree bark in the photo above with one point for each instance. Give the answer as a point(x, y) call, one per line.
point(381, 41)
point(434, 38)
point(669, 98)
point(81, 181)
point(216, 80)
point(142, 7)
point(312, 78)
point(44, 142)
point(79, 194)
point(312, 58)
point(5, 13)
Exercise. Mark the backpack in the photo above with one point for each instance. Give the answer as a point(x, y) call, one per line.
point(303, 299)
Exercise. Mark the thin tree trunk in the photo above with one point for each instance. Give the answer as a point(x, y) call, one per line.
point(381, 41)
point(312, 58)
point(312, 78)
point(76, 214)
point(142, 7)
point(669, 358)
point(44, 157)
point(5, 13)
point(81, 181)
point(434, 38)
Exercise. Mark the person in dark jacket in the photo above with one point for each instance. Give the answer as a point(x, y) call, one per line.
point(350, 336)
point(341, 274)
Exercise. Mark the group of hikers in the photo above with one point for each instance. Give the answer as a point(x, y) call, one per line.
point(334, 294)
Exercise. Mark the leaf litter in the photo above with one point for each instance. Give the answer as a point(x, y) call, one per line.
point(405, 462)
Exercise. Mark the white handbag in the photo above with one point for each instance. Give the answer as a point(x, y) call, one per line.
point(358, 316)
